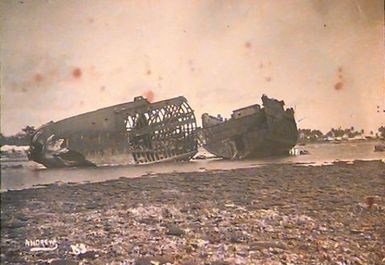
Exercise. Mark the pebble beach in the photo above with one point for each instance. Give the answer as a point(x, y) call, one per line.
point(272, 214)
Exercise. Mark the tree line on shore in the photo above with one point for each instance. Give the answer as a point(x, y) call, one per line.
point(347, 133)
point(19, 139)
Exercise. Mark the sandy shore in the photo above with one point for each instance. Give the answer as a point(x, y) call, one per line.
point(276, 214)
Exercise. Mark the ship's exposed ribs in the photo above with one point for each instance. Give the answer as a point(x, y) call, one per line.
point(140, 131)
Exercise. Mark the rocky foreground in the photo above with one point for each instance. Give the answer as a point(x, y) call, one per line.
point(276, 214)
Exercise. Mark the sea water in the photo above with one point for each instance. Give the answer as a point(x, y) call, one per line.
point(20, 173)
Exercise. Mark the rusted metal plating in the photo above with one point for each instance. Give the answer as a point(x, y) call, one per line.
point(137, 132)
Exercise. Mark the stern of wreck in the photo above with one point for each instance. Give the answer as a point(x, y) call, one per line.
point(282, 131)
point(251, 131)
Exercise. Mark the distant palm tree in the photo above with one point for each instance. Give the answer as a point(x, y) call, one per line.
point(29, 130)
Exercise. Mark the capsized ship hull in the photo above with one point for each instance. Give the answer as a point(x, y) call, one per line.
point(137, 132)
point(251, 132)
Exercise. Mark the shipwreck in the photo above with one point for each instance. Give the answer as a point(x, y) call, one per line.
point(137, 132)
point(141, 132)
point(251, 131)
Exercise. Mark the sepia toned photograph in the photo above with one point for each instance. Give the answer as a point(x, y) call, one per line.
point(192, 132)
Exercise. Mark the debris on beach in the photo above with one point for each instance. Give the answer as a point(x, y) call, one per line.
point(200, 157)
point(298, 151)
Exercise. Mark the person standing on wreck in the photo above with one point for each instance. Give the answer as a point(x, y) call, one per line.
point(143, 140)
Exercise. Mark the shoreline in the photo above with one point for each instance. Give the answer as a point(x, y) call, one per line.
point(252, 164)
point(258, 215)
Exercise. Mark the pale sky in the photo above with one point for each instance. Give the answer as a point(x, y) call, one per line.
point(325, 58)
